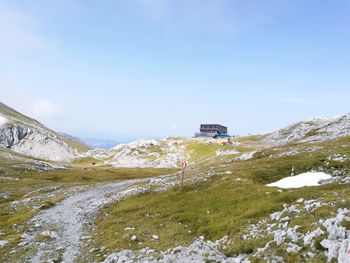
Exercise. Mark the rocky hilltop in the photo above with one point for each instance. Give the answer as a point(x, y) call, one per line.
point(314, 130)
point(27, 136)
point(144, 153)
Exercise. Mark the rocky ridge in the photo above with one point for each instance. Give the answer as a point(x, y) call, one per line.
point(144, 153)
point(24, 135)
point(314, 130)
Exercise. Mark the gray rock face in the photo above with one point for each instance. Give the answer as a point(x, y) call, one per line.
point(34, 141)
point(24, 135)
point(11, 134)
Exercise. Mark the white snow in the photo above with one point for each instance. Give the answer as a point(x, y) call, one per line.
point(301, 180)
point(3, 120)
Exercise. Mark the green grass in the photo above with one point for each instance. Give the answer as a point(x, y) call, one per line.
point(222, 205)
point(74, 143)
point(208, 209)
point(13, 221)
point(84, 161)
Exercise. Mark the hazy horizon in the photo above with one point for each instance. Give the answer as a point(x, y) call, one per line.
point(124, 70)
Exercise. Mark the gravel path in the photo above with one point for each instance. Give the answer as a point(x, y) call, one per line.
point(67, 221)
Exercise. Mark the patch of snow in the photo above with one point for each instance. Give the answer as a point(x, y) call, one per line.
point(3, 120)
point(301, 180)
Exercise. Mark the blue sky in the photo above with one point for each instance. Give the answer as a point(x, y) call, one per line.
point(156, 68)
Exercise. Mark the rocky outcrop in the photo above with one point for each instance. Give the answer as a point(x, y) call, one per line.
point(315, 130)
point(11, 135)
point(24, 135)
point(144, 153)
point(34, 141)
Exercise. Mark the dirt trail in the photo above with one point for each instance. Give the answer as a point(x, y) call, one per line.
point(68, 220)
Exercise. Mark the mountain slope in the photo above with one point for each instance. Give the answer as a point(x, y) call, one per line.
point(314, 130)
point(25, 135)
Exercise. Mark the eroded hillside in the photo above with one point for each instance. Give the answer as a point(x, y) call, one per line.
point(24, 135)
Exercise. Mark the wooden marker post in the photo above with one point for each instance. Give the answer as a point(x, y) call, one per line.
point(183, 165)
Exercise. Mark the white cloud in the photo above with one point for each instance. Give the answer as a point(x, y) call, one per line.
point(45, 109)
point(42, 109)
point(19, 32)
point(219, 16)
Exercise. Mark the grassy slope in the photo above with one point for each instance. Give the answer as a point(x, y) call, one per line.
point(13, 222)
point(74, 142)
point(11, 113)
point(223, 205)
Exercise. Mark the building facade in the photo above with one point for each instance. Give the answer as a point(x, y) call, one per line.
point(212, 130)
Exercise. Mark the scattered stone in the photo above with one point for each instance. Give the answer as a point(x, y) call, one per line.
point(284, 219)
point(22, 244)
point(93, 250)
point(199, 251)
point(26, 237)
point(3, 243)
point(4, 195)
point(245, 156)
point(155, 237)
point(227, 152)
point(300, 200)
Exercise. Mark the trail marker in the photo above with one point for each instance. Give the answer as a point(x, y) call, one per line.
point(183, 165)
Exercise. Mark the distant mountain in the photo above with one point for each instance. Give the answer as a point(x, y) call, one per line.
point(100, 143)
point(27, 136)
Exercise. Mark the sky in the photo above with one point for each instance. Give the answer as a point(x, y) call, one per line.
point(156, 68)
